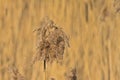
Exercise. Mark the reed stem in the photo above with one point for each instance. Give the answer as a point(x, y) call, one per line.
point(45, 70)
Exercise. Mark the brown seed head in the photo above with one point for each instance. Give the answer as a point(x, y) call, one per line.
point(51, 42)
point(14, 73)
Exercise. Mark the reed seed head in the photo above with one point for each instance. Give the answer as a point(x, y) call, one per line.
point(51, 42)
point(14, 73)
point(71, 74)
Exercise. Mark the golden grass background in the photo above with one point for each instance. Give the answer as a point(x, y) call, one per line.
point(92, 25)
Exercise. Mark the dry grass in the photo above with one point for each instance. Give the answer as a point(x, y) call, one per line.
point(93, 26)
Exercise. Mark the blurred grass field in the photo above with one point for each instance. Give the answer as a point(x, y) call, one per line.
point(92, 25)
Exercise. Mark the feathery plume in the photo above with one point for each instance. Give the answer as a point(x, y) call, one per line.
point(51, 42)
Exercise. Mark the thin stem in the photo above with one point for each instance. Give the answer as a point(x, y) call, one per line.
point(45, 70)
point(44, 65)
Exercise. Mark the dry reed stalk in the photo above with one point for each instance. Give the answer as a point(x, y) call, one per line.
point(51, 42)
point(14, 73)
